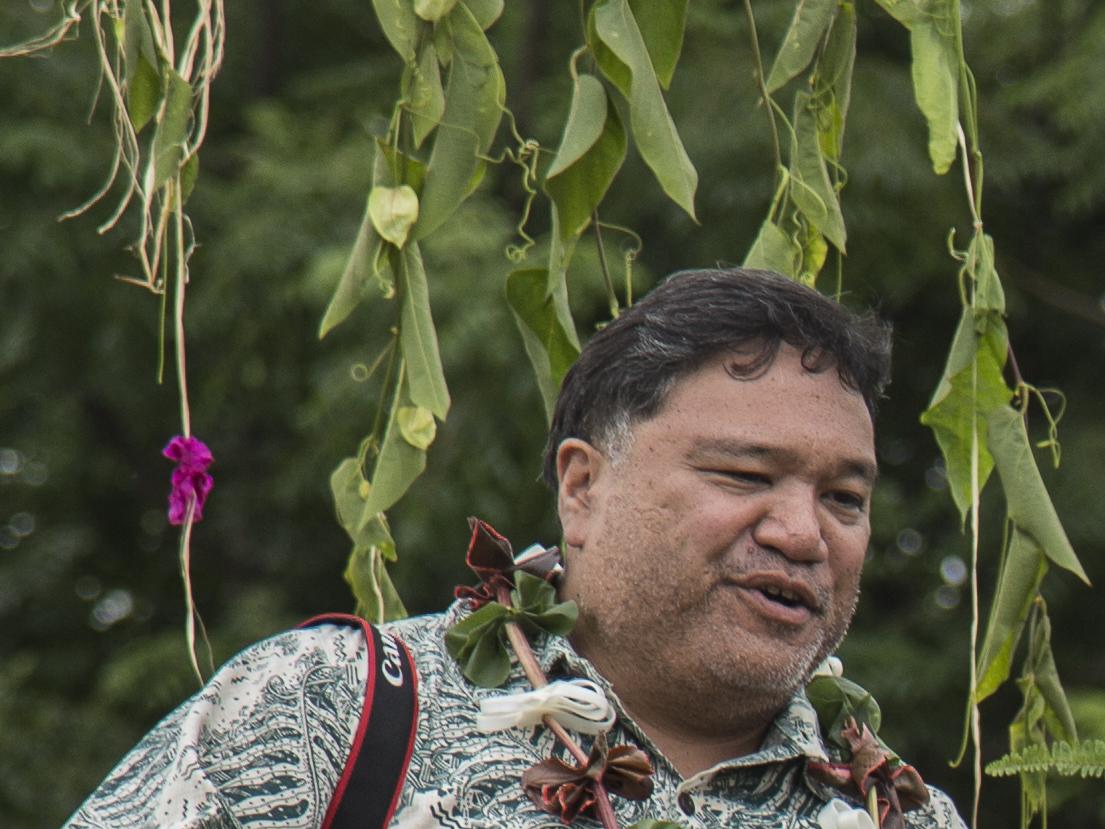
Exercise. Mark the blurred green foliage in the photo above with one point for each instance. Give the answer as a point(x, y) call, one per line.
point(92, 649)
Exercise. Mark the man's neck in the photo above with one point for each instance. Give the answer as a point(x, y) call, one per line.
point(690, 752)
point(684, 734)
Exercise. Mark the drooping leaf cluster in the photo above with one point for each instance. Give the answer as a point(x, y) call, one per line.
point(437, 147)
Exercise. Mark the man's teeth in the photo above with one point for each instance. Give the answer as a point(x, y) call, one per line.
point(781, 594)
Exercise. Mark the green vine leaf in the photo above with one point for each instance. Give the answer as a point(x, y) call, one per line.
point(811, 21)
point(656, 824)
point(486, 12)
point(933, 27)
point(443, 44)
point(474, 99)
point(350, 489)
point(1019, 581)
point(364, 262)
point(368, 578)
point(774, 250)
point(172, 127)
point(189, 173)
point(936, 84)
point(550, 347)
point(612, 23)
point(418, 337)
point(366, 572)
point(832, 82)
point(1029, 504)
point(1044, 714)
point(662, 23)
point(971, 387)
point(391, 168)
point(811, 189)
point(989, 295)
point(400, 25)
point(556, 283)
point(591, 152)
point(140, 56)
point(609, 63)
point(427, 96)
point(1041, 676)
point(399, 463)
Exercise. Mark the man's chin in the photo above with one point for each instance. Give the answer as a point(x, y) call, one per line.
point(774, 670)
point(772, 680)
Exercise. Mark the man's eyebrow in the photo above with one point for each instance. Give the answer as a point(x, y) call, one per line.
point(711, 448)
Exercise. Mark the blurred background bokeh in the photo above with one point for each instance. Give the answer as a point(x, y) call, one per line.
point(92, 648)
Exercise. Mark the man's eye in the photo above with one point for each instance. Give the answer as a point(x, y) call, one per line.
point(743, 476)
point(848, 500)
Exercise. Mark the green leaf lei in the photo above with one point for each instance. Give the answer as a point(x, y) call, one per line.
point(479, 642)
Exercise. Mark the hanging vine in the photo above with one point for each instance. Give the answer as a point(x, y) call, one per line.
point(159, 90)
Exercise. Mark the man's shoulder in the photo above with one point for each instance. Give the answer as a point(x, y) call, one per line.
point(292, 652)
point(294, 698)
point(424, 626)
point(424, 638)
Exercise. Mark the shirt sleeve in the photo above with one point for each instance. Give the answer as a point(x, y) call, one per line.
point(262, 745)
point(938, 813)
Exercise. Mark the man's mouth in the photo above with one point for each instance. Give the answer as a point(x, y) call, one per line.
point(779, 590)
point(782, 596)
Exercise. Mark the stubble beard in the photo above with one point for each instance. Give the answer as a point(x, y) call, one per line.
point(759, 675)
point(716, 678)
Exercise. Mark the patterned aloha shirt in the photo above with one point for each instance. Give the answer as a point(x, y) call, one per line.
point(264, 743)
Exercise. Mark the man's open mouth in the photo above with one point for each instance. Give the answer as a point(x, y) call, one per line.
point(780, 590)
point(782, 596)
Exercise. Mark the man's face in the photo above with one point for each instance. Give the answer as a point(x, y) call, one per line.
point(721, 553)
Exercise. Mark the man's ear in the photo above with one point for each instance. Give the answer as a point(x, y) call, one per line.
point(578, 466)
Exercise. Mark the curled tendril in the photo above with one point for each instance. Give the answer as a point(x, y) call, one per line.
point(630, 251)
point(1023, 396)
point(526, 156)
point(64, 29)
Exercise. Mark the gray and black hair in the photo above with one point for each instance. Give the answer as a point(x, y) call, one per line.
point(627, 369)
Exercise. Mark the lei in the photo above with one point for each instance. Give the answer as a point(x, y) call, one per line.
point(516, 597)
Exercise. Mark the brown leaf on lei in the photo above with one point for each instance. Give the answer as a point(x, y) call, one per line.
point(628, 773)
point(491, 557)
point(568, 791)
point(900, 788)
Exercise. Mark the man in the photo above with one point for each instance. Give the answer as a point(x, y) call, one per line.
point(713, 456)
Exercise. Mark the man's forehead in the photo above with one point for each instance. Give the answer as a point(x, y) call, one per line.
point(755, 359)
point(770, 398)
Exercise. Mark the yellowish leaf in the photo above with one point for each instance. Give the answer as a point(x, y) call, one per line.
point(393, 210)
point(417, 426)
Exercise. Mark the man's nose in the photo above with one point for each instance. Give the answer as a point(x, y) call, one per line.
point(791, 524)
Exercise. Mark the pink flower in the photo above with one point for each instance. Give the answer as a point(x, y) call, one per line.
point(190, 480)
